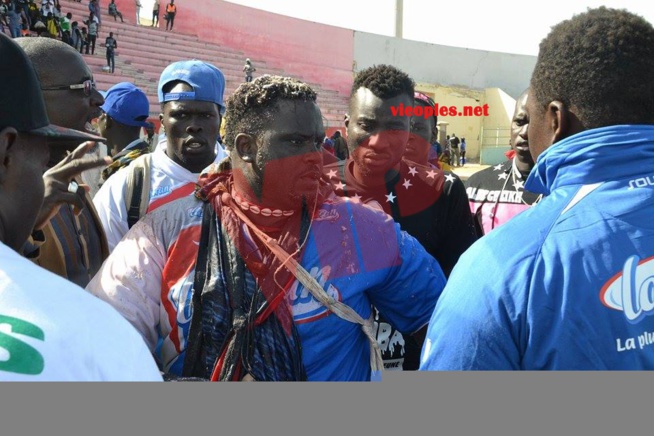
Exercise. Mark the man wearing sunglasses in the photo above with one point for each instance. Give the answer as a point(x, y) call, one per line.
point(51, 329)
point(68, 238)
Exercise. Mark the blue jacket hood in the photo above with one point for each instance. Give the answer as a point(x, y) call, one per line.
point(623, 148)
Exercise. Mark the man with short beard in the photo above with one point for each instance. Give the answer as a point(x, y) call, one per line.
point(497, 193)
point(266, 274)
point(191, 97)
point(68, 238)
point(426, 202)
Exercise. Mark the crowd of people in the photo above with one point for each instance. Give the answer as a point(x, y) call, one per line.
point(45, 18)
point(246, 245)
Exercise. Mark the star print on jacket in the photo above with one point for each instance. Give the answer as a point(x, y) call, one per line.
point(497, 194)
point(429, 204)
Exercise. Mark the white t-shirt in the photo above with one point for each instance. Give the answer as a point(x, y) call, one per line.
point(52, 330)
point(168, 181)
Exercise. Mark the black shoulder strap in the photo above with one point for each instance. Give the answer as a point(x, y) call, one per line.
point(134, 212)
point(137, 198)
point(194, 359)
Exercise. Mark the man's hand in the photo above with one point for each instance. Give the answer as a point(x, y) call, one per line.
point(57, 179)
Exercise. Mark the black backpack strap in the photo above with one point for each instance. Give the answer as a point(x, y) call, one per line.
point(194, 359)
point(134, 211)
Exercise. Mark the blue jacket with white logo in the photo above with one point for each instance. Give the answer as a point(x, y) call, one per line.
point(569, 283)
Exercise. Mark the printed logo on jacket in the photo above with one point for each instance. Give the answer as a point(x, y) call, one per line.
point(631, 291)
point(305, 307)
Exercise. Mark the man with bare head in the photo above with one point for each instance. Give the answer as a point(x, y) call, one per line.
point(266, 274)
point(567, 284)
point(68, 238)
point(428, 203)
point(51, 329)
point(497, 193)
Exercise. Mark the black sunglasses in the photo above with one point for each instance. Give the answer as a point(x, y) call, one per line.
point(88, 86)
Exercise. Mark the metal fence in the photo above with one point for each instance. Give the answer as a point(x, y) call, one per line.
point(494, 143)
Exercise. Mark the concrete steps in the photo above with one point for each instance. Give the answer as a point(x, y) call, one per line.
point(144, 51)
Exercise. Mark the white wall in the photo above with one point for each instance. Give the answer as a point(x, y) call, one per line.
point(444, 65)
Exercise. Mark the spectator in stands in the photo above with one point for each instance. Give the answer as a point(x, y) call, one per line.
point(46, 8)
point(567, 284)
point(34, 13)
point(191, 98)
point(14, 14)
point(24, 28)
point(52, 25)
point(71, 337)
point(155, 14)
point(114, 12)
point(497, 193)
point(427, 203)
point(3, 15)
point(75, 35)
point(64, 25)
point(94, 8)
point(68, 238)
point(84, 41)
point(287, 239)
point(23, 9)
point(93, 24)
point(57, 11)
point(137, 4)
point(171, 11)
point(340, 146)
point(111, 45)
point(248, 69)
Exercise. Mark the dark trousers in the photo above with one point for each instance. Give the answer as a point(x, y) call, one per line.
point(170, 21)
point(155, 18)
point(83, 43)
point(91, 44)
point(110, 60)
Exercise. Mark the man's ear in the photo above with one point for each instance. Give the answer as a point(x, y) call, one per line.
point(246, 147)
point(557, 117)
point(8, 137)
point(346, 121)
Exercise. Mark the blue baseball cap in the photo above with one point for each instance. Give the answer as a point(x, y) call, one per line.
point(127, 104)
point(207, 81)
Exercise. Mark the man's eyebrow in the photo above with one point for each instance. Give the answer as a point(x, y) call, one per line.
point(296, 133)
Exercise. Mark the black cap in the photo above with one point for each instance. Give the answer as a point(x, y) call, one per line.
point(21, 101)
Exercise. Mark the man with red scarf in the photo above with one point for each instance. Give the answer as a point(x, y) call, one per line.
point(266, 274)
